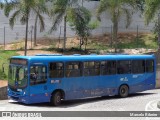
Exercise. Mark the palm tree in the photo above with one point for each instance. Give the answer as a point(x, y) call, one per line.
point(22, 10)
point(60, 11)
point(40, 9)
point(116, 8)
point(152, 9)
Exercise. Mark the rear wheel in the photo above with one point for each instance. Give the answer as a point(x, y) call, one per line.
point(56, 98)
point(123, 91)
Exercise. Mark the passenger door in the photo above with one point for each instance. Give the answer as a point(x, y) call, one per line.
point(38, 84)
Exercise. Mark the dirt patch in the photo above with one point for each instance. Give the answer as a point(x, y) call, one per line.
point(50, 44)
point(3, 83)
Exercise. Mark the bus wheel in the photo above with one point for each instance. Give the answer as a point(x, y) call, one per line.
point(56, 98)
point(123, 91)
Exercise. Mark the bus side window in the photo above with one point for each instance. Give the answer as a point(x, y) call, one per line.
point(149, 66)
point(124, 67)
point(108, 67)
point(37, 75)
point(91, 68)
point(56, 70)
point(73, 69)
point(138, 66)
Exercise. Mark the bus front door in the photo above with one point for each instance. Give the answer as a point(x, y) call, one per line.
point(38, 84)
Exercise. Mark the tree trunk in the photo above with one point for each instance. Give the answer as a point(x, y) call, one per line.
point(35, 31)
point(26, 37)
point(86, 41)
point(115, 32)
point(81, 42)
point(64, 44)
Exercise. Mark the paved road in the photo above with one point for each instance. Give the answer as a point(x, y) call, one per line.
point(137, 102)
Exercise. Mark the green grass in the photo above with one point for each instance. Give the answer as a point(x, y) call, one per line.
point(147, 41)
point(96, 45)
point(103, 43)
point(4, 60)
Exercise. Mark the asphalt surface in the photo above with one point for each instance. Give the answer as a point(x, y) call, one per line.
point(143, 101)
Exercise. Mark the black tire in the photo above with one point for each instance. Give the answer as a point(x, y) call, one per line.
point(56, 98)
point(123, 91)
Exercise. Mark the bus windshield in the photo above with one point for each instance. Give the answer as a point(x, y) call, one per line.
point(18, 76)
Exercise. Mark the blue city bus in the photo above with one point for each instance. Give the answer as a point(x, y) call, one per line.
point(53, 78)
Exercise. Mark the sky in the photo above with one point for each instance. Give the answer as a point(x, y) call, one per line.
point(4, 0)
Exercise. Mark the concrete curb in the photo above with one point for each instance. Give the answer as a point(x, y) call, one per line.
point(3, 93)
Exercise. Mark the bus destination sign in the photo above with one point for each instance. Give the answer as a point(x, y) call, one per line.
point(19, 61)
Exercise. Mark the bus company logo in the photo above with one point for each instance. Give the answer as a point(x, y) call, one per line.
point(124, 79)
point(55, 81)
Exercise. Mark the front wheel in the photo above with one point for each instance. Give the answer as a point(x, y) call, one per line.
point(123, 91)
point(56, 98)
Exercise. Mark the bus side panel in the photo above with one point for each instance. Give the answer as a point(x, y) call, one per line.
point(83, 87)
point(138, 83)
point(135, 82)
point(39, 93)
point(109, 85)
point(76, 88)
point(150, 81)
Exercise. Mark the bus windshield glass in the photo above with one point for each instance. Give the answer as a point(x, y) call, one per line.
point(18, 76)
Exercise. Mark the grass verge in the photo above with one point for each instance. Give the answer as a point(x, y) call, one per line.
point(4, 61)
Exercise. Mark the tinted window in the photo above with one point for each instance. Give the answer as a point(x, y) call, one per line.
point(56, 70)
point(73, 69)
point(149, 66)
point(138, 66)
point(124, 67)
point(91, 68)
point(37, 75)
point(108, 67)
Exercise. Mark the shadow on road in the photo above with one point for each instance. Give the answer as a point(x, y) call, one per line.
point(72, 103)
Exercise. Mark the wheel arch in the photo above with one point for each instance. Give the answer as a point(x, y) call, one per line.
point(61, 91)
point(124, 84)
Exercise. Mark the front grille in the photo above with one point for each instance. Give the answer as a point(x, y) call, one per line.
point(14, 98)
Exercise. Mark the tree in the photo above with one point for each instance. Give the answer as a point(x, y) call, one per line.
point(151, 11)
point(21, 11)
point(152, 8)
point(117, 9)
point(1, 5)
point(79, 19)
point(40, 9)
point(60, 11)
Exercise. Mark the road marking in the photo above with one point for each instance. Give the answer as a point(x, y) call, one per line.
point(152, 106)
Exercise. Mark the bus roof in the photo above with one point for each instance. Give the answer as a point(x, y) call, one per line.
point(77, 57)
